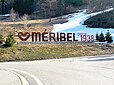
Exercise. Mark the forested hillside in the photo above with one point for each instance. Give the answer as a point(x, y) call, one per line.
point(104, 20)
point(51, 8)
point(46, 8)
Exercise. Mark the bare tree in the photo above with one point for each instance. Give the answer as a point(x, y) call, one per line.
point(99, 5)
point(13, 15)
point(49, 8)
point(52, 8)
point(25, 18)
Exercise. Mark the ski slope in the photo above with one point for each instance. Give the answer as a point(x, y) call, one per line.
point(75, 24)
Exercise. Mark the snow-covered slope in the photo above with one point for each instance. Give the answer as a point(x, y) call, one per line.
point(75, 24)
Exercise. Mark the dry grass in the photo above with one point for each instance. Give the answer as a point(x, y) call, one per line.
point(50, 51)
point(32, 25)
point(7, 27)
point(23, 22)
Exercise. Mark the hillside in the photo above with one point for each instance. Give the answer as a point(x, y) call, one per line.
point(51, 8)
point(104, 20)
point(40, 8)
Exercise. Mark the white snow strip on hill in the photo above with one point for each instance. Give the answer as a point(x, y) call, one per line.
point(5, 15)
point(76, 20)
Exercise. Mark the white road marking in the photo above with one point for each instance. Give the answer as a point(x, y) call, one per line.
point(32, 76)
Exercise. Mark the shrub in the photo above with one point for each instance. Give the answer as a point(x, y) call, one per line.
point(1, 39)
point(10, 41)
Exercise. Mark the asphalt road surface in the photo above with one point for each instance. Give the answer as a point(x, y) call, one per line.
point(92, 70)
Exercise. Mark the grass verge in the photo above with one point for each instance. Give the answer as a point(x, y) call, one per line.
point(39, 52)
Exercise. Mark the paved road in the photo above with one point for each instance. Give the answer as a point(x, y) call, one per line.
point(92, 70)
point(8, 78)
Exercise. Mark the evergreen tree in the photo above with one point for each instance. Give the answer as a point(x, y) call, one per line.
point(74, 2)
point(79, 2)
point(2, 6)
point(23, 6)
point(97, 37)
point(10, 41)
point(108, 37)
point(101, 38)
point(68, 1)
point(60, 7)
point(1, 39)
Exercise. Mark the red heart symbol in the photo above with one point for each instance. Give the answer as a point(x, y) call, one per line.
point(24, 36)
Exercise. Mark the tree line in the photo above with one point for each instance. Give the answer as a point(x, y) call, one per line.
point(52, 8)
point(46, 8)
